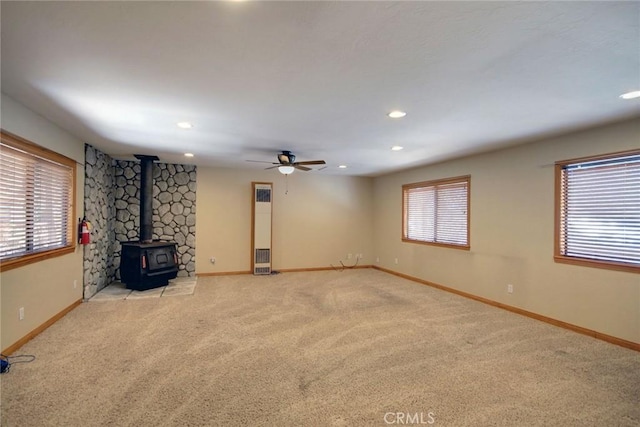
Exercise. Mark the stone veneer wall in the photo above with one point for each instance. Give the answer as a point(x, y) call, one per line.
point(99, 209)
point(174, 208)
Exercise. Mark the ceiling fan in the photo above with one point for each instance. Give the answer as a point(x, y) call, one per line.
point(286, 163)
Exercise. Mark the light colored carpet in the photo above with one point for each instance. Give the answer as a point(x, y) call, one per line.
point(316, 349)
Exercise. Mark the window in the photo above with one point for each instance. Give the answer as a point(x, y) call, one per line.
point(36, 203)
point(437, 212)
point(598, 211)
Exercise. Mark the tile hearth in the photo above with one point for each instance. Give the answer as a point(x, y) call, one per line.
point(118, 291)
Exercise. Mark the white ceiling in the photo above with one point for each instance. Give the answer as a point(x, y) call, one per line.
point(318, 78)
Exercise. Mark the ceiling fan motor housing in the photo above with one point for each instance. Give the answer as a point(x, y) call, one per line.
point(286, 158)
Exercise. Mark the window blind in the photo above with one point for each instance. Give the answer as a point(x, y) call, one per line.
point(35, 202)
point(600, 210)
point(437, 212)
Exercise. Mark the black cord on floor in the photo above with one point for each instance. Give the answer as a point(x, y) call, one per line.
point(345, 266)
point(7, 361)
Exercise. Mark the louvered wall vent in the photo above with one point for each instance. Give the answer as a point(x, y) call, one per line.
point(261, 236)
point(262, 270)
point(263, 195)
point(263, 256)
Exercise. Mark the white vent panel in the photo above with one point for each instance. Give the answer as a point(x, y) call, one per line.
point(261, 238)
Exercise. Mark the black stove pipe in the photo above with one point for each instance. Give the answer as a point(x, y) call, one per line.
point(146, 197)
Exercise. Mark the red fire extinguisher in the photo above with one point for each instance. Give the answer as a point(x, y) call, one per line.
point(83, 232)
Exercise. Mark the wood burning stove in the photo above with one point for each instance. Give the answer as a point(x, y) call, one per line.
point(147, 263)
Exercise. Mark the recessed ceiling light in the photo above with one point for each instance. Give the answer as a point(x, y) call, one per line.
point(188, 154)
point(631, 95)
point(342, 166)
point(184, 125)
point(396, 148)
point(397, 114)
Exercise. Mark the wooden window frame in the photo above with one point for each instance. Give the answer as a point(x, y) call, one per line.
point(558, 206)
point(435, 183)
point(35, 150)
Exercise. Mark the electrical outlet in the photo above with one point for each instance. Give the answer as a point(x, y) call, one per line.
point(213, 260)
point(349, 256)
point(21, 313)
point(377, 259)
point(75, 284)
point(396, 260)
point(510, 288)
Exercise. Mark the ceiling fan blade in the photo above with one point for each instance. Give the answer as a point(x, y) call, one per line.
point(311, 162)
point(302, 168)
point(260, 161)
point(272, 167)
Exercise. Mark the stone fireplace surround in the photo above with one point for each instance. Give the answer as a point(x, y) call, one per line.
point(112, 206)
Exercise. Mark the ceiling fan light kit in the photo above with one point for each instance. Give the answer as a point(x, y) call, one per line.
point(286, 170)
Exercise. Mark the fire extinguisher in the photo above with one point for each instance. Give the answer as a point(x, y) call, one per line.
point(83, 232)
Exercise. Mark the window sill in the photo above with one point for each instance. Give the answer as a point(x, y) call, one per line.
point(597, 264)
point(10, 264)
point(442, 245)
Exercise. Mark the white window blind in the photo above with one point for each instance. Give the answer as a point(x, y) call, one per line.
point(599, 212)
point(437, 212)
point(35, 203)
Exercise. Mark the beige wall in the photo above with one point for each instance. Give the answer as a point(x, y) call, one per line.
point(321, 219)
point(45, 288)
point(512, 231)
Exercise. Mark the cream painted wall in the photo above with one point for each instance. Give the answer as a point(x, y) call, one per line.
point(321, 219)
point(45, 288)
point(512, 231)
